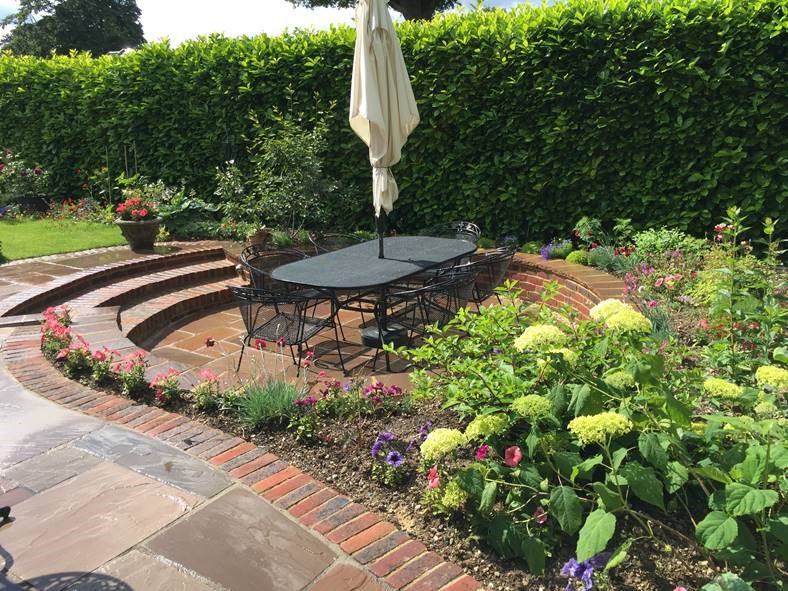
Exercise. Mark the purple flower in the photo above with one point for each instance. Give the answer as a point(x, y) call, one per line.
point(346, 386)
point(385, 435)
point(584, 570)
point(571, 568)
point(424, 430)
point(376, 447)
point(497, 351)
point(545, 250)
point(395, 459)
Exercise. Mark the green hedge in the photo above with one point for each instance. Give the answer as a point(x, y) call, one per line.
point(666, 112)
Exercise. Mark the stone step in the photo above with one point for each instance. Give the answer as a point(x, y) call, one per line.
point(69, 287)
point(145, 319)
point(134, 290)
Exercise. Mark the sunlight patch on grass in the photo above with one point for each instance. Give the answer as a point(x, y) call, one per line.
point(24, 238)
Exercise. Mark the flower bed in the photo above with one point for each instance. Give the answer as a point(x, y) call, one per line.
point(539, 448)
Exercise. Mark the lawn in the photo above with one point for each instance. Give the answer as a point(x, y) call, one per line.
point(25, 238)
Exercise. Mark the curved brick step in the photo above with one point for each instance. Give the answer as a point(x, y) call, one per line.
point(143, 320)
point(370, 543)
point(68, 287)
point(133, 290)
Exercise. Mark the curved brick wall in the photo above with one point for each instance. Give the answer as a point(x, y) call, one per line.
point(580, 286)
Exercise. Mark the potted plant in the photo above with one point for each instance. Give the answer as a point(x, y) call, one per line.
point(138, 221)
point(23, 185)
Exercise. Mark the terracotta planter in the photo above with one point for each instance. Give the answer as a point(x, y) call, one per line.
point(139, 235)
point(259, 238)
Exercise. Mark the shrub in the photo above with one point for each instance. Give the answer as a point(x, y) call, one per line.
point(268, 402)
point(663, 240)
point(557, 249)
point(610, 108)
point(579, 257)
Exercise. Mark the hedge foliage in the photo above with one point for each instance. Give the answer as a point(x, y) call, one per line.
point(666, 111)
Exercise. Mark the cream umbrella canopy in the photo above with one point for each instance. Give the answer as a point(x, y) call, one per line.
point(383, 109)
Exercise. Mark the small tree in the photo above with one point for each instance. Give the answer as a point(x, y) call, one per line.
point(410, 9)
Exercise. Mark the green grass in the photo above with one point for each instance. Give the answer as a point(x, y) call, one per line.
point(268, 402)
point(24, 238)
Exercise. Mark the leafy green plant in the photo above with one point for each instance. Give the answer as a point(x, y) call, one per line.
point(130, 372)
point(664, 240)
point(581, 425)
point(579, 257)
point(268, 402)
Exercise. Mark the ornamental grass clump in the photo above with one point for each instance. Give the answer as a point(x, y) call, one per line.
point(540, 337)
point(599, 428)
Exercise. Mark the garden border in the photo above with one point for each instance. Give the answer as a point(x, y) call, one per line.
point(385, 552)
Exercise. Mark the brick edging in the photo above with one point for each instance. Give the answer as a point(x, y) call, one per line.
point(580, 286)
point(388, 554)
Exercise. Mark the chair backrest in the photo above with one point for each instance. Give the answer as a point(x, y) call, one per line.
point(261, 262)
point(331, 242)
point(270, 315)
point(491, 269)
point(439, 300)
point(467, 231)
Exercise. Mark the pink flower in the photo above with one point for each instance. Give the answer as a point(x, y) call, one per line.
point(512, 456)
point(659, 282)
point(703, 323)
point(540, 515)
point(483, 452)
point(680, 589)
point(652, 303)
point(259, 344)
point(208, 375)
point(281, 342)
point(433, 479)
point(99, 356)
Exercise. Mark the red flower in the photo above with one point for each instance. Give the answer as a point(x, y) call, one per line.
point(135, 212)
point(512, 456)
point(433, 479)
point(209, 342)
point(703, 323)
point(281, 342)
point(37, 171)
point(259, 344)
point(540, 515)
point(121, 208)
point(143, 212)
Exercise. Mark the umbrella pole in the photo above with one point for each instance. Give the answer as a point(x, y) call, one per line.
point(379, 221)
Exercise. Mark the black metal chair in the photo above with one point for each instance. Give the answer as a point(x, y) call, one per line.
point(259, 262)
point(409, 312)
point(277, 316)
point(458, 230)
point(330, 242)
point(491, 267)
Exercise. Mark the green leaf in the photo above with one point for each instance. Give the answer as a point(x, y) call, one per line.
point(488, 497)
point(712, 473)
point(753, 466)
point(644, 484)
point(650, 448)
point(534, 553)
point(618, 456)
point(781, 354)
point(565, 507)
point(471, 481)
point(676, 476)
point(586, 466)
point(619, 554)
point(610, 500)
point(595, 534)
point(717, 530)
point(741, 499)
point(727, 582)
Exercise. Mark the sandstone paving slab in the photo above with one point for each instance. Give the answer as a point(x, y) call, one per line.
point(243, 543)
point(47, 470)
point(144, 572)
point(22, 438)
point(83, 523)
point(155, 459)
point(346, 578)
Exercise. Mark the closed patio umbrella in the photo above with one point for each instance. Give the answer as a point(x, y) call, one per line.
point(382, 106)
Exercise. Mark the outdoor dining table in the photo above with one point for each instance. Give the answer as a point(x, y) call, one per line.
point(358, 268)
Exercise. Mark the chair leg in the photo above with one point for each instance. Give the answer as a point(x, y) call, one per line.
point(339, 350)
point(240, 357)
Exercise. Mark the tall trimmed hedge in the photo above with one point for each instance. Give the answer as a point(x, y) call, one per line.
point(663, 111)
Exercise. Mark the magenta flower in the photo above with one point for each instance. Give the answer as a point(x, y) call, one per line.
point(652, 303)
point(540, 515)
point(482, 452)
